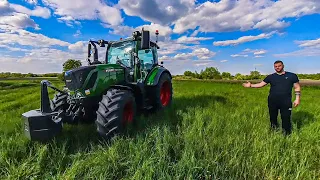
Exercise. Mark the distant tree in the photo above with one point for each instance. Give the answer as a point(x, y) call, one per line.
point(188, 73)
point(71, 64)
point(226, 75)
point(211, 73)
point(254, 75)
point(239, 76)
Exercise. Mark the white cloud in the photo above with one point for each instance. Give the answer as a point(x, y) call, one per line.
point(203, 53)
point(183, 56)
point(26, 38)
point(32, 1)
point(42, 60)
point(239, 55)
point(309, 43)
point(256, 52)
point(78, 33)
point(164, 58)
point(17, 21)
point(5, 8)
point(79, 46)
point(70, 21)
point(171, 47)
point(258, 56)
point(224, 61)
point(243, 39)
point(195, 33)
point(200, 53)
point(243, 15)
point(271, 24)
point(260, 52)
point(309, 48)
point(300, 53)
point(38, 11)
point(192, 40)
point(157, 11)
point(202, 64)
point(164, 31)
point(86, 10)
point(13, 16)
point(40, 54)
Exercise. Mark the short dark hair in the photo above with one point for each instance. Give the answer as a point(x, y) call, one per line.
point(278, 61)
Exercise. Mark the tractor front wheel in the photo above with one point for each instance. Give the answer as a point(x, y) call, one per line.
point(59, 102)
point(162, 92)
point(117, 109)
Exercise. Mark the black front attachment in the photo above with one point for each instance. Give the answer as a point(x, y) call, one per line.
point(40, 124)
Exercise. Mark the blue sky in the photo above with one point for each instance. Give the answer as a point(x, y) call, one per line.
point(234, 36)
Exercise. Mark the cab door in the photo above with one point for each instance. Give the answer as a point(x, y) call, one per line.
point(147, 60)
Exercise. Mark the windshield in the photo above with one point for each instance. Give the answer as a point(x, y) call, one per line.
point(121, 51)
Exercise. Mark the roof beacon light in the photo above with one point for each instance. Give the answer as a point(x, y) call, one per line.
point(157, 33)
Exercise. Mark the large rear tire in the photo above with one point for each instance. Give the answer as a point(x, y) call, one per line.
point(162, 93)
point(117, 109)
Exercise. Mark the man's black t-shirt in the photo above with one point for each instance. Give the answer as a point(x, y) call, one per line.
point(281, 84)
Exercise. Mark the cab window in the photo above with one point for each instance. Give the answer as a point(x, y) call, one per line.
point(146, 58)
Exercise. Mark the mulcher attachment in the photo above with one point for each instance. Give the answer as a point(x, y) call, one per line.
point(42, 124)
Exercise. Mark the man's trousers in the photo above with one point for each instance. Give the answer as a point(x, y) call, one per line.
point(284, 104)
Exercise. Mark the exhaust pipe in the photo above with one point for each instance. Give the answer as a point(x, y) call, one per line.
point(40, 124)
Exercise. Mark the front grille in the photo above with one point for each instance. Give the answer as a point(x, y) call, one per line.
point(75, 78)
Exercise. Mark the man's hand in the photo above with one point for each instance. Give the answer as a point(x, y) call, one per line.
point(248, 84)
point(258, 85)
point(296, 103)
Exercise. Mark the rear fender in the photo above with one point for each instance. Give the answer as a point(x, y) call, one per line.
point(154, 76)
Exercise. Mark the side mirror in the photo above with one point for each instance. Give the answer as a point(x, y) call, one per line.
point(145, 40)
point(161, 62)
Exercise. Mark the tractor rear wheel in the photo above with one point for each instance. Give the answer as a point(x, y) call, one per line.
point(117, 109)
point(162, 92)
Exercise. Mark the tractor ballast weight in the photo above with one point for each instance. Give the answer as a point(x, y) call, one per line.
point(39, 124)
point(109, 93)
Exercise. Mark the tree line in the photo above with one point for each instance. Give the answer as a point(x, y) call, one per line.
point(27, 75)
point(208, 73)
point(214, 73)
point(68, 65)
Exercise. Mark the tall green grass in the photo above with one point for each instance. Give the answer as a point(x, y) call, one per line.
point(211, 131)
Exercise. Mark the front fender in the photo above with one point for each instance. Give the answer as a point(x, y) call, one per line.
point(153, 77)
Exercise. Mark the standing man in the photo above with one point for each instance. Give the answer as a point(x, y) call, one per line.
point(280, 95)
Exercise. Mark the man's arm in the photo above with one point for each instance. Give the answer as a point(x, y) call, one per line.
point(297, 90)
point(258, 85)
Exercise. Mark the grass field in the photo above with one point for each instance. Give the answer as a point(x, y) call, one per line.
point(212, 131)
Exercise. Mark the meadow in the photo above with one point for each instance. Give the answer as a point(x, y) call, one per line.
point(213, 130)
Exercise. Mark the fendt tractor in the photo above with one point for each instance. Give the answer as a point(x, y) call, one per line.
point(109, 93)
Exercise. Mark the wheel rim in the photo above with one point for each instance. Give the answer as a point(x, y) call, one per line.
point(128, 113)
point(165, 93)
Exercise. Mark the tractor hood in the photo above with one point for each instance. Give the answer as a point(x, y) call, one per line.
point(93, 80)
point(75, 78)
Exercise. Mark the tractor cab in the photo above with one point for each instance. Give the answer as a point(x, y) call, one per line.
point(137, 55)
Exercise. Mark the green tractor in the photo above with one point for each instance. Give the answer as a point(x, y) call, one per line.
point(110, 93)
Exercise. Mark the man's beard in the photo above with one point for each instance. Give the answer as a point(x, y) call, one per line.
point(280, 71)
